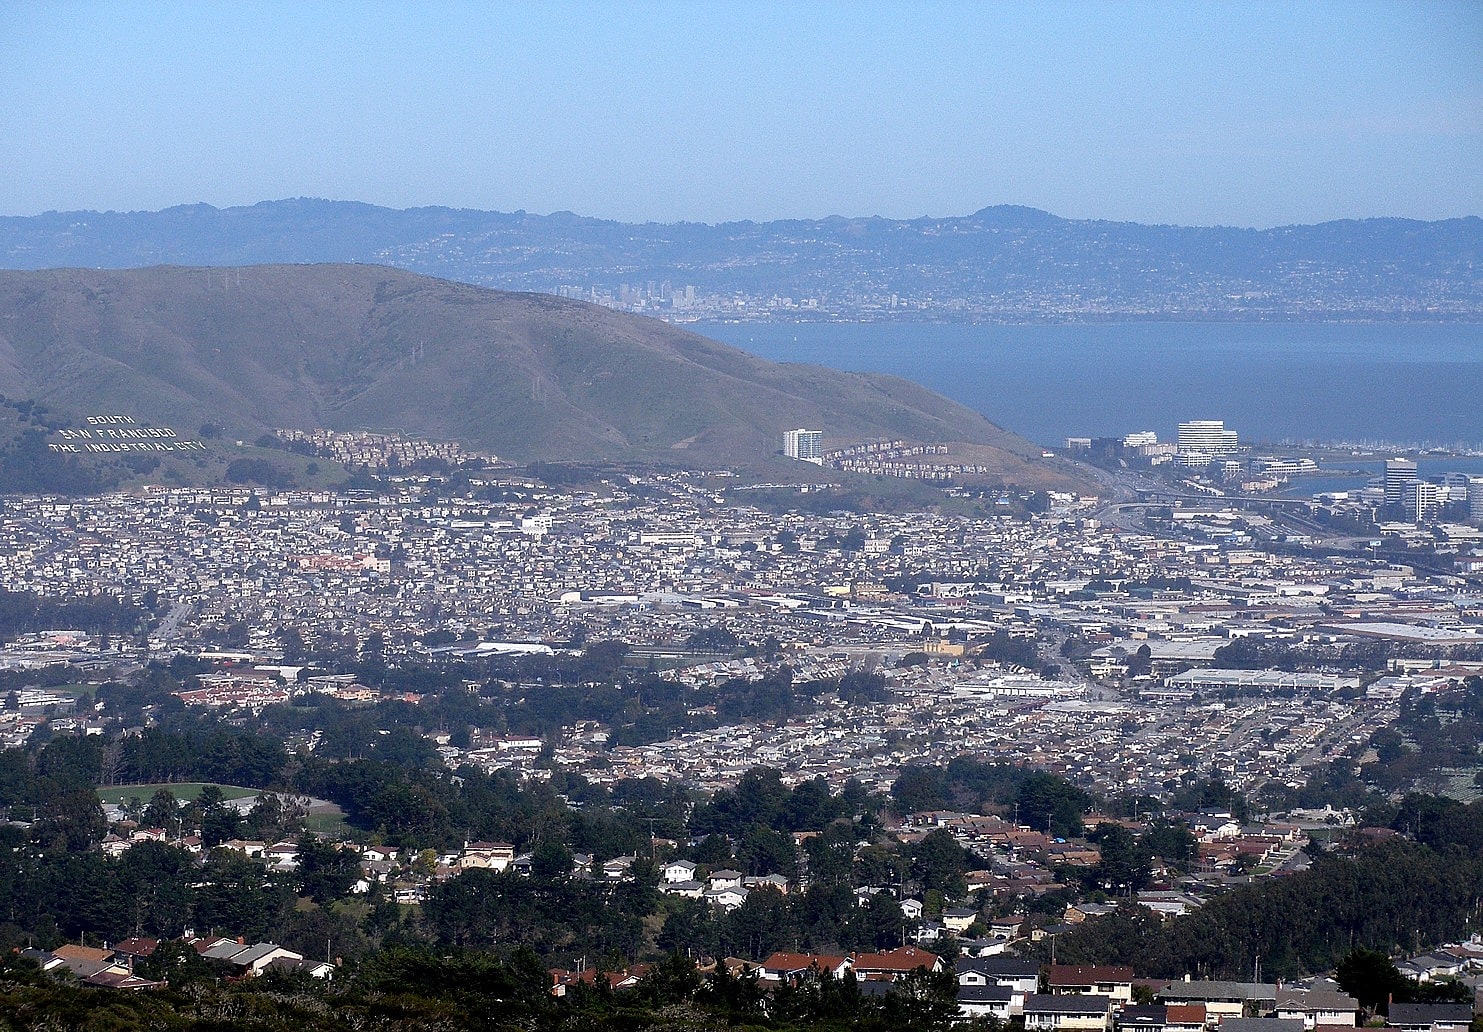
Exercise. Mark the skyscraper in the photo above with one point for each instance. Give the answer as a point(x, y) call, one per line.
point(804, 445)
point(1400, 475)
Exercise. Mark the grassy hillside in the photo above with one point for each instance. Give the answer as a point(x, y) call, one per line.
point(528, 376)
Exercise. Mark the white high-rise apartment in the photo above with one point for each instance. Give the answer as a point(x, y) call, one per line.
point(804, 445)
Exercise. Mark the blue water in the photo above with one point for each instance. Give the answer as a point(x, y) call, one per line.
point(1411, 384)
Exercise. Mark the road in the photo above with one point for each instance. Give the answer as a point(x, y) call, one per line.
point(170, 626)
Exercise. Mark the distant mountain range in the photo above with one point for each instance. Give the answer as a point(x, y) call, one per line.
point(1001, 263)
point(526, 376)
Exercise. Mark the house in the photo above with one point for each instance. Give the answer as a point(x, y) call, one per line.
point(911, 909)
point(83, 961)
point(255, 959)
point(251, 847)
point(1430, 1017)
point(1142, 1019)
point(1103, 980)
point(617, 868)
point(775, 882)
point(1317, 1007)
point(728, 898)
point(928, 932)
point(1223, 999)
point(957, 919)
point(977, 1001)
point(1168, 904)
point(677, 871)
point(116, 979)
point(282, 856)
point(725, 879)
point(1016, 973)
point(1184, 1017)
point(627, 978)
point(1081, 1012)
point(1431, 966)
point(131, 950)
point(987, 946)
point(44, 959)
point(787, 967)
point(1079, 912)
point(893, 964)
point(688, 889)
point(1261, 1025)
point(488, 856)
point(1009, 927)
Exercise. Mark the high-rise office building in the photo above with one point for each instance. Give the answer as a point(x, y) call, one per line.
point(804, 445)
point(1201, 440)
point(1475, 499)
point(1400, 476)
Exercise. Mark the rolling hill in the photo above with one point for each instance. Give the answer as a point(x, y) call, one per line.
point(527, 376)
point(1003, 263)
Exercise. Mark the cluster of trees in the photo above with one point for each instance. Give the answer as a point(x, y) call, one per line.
point(259, 471)
point(1389, 897)
point(28, 466)
point(1252, 653)
point(22, 612)
point(411, 987)
point(1033, 797)
point(1436, 730)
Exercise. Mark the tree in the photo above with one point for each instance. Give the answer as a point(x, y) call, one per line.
point(940, 864)
point(219, 822)
point(550, 860)
point(162, 811)
point(919, 788)
point(1171, 843)
point(1125, 863)
point(1371, 978)
point(1141, 661)
point(1047, 801)
point(326, 873)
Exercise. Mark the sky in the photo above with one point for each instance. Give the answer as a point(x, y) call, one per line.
point(1239, 113)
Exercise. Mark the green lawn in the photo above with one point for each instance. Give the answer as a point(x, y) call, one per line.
point(331, 824)
point(180, 790)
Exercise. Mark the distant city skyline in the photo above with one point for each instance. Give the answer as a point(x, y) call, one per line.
point(1258, 114)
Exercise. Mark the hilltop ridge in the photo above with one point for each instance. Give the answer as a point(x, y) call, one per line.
point(527, 376)
point(1002, 263)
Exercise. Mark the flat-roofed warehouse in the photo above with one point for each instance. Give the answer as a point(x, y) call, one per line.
point(1218, 678)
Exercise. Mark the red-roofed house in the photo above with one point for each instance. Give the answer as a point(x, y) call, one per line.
point(1100, 980)
point(784, 967)
point(891, 965)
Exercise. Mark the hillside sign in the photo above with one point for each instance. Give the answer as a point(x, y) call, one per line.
point(120, 433)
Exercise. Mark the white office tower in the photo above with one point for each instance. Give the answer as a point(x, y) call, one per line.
point(804, 445)
point(1201, 440)
point(1400, 480)
point(1424, 499)
point(1475, 499)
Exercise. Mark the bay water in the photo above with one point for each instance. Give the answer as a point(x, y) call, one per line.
point(1389, 385)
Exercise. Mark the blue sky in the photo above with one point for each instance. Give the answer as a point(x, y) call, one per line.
point(1251, 114)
